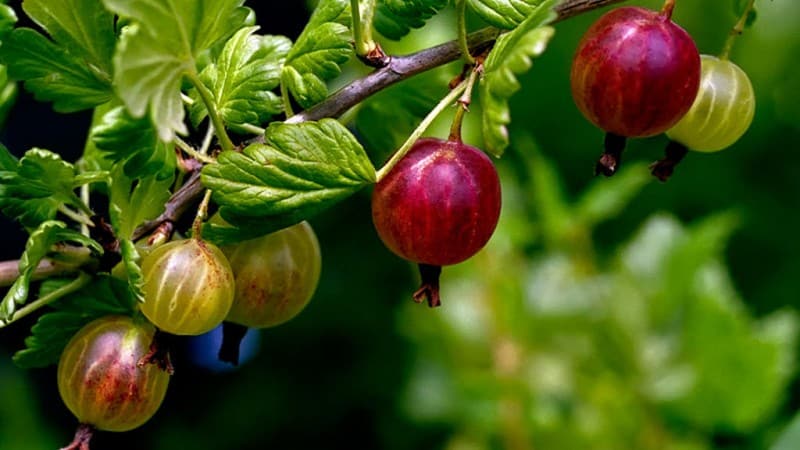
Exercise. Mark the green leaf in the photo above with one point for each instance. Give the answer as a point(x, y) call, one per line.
point(133, 201)
point(395, 18)
point(41, 182)
point(8, 93)
point(322, 47)
point(73, 70)
point(103, 296)
point(236, 228)
point(52, 73)
point(38, 246)
point(506, 14)
point(135, 143)
point(131, 259)
point(7, 19)
point(161, 46)
point(242, 80)
point(511, 56)
point(302, 169)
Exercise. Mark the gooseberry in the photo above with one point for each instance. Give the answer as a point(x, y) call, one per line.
point(635, 73)
point(276, 275)
point(188, 287)
point(723, 110)
point(438, 206)
point(101, 382)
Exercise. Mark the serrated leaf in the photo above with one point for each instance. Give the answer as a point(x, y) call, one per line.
point(511, 56)
point(135, 144)
point(161, 46)
point(395, 18)
point(52, 73)
point(73, 70)
point(302, 169)
point(133, 201)
point(242, 80)
point(37, 247)
point(322, 47)
point(506, 14)
point(103, 296)
point(236, 228)
point(33, 191)
point(131, 259)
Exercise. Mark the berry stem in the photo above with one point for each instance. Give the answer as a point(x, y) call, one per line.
point(429, 285)
point(461, 19)
point(612, 156)
point(463, 104)
point(192, 152)
point(737, 30)
point(202, 214)
point(673, 154)
point(417, 133)
point(213, 114)
point(82, 437)
point(232, 335)
point(666, 10)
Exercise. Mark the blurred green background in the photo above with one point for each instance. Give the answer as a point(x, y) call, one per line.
point(604, 314)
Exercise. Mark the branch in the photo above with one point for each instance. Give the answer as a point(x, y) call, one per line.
point(403, 67)
point(398, 69)
point(76, 257)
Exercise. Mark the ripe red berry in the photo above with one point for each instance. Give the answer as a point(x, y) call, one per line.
point(438, 206)
point(635, 74)
point(101, 382)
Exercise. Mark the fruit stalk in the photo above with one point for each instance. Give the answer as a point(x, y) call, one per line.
point(737, 30)
point(232, 335)
point(673, 154)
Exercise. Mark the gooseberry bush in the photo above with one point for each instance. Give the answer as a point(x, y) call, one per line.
point(213, 141)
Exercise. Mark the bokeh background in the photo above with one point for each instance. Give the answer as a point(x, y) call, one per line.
point(612, 314)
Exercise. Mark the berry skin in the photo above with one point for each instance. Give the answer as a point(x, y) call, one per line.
point(276, 275)
point(723, 110)
point(438, 206)
point(188, 287)
point(99, 378)
point(635, 72)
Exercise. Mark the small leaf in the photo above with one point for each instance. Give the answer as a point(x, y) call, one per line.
point(242, 80)
point(322, 47)
point(302, 169)
point(131, 258)
point(103, 296)
point(134, 201)
point(236, 228)
point(506, 14)
point(510, 57)
point(8, 92)
point(135, 143)
point(33, 191)
point(73, 70)
point(395, 18)
point(161, 46)
point(38, 246)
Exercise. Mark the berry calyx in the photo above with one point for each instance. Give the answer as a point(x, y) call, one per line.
point(635, 73)
point(101, 382)
point(188, 287)
point(438, 206)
